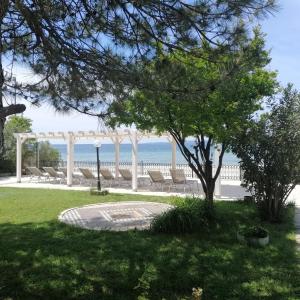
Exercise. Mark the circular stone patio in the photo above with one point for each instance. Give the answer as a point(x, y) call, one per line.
point(115, 216)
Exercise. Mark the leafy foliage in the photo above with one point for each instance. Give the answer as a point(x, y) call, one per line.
point(270, 155)
point(196, 97)
point(17, 124)
point(85, 51)
point(48, 154)
point(82, 48)
point(186, 217)
point(254, 231)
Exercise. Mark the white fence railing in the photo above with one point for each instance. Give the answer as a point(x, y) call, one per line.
point(228, 172)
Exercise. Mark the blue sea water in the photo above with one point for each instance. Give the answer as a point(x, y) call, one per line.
point(156, 152)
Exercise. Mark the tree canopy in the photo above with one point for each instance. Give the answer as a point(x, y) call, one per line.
point(33, 152)
point(211, 102)
point(85, 51)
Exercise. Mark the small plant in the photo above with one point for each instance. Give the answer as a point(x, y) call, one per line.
point(96, 192)
point(254, 235)
point(197, 293)
point(254, 232)
point(188, 216)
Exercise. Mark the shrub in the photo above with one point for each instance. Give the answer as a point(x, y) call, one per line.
point(7, 166)
point(254, 232)
point(189, 215)
point(269, 153)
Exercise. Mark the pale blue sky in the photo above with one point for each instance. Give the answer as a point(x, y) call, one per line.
point(282, 31)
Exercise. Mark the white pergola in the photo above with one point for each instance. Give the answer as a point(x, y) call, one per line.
point(116, 136)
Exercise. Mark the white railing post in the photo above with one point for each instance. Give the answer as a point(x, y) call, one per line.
point(134, 143)
point(173, 154)
point(218, 181)
point(70, 159)
point(19, 159)
point(117, 156)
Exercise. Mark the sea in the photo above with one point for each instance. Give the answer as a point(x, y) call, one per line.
point(152, 152)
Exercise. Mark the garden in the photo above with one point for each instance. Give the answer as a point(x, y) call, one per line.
point(42, 258)
point(197, 71)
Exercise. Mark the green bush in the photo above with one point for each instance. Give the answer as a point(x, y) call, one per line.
point(189, 215)
point(7, 166)
point(269, 153)
point(254, 231)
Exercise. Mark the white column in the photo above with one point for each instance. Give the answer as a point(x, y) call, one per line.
point(70, 159)
point(218, 181)
point(134, 143)
point(19, 159)
point(117, 157)
point(173, 154)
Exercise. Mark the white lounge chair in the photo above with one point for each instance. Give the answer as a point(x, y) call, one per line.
point(178, 178)
point(63, 170)
point(88, 175)
point(76, 177)
point(107, 176)
point(157, 178)
point(55, 175)
point(37, 173)
point(126, 175)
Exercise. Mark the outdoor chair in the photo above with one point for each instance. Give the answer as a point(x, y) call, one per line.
point(65, 172)
point(88, 176)
point(126, 175)
point(178, 178)
point(157, 178)
point(107, 176)
point(37, 173)
point(53, 174)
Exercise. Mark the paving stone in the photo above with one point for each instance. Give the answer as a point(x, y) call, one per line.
point(116, 216)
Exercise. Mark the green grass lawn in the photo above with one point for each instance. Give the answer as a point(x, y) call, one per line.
point(41, 258)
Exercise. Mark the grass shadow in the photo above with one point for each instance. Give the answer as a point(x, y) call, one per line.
point(49, 260)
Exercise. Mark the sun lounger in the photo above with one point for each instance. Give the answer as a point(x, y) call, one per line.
point(107, 176)
point(37, 173)
point(126, 175)
point(88, 175)
point(64, 171)
point(53, 174)
point(178, 178)
point(76, 177)
point(157, 178)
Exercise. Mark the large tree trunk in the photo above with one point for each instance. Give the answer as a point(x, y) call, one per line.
point(200, 162)
point(209, 181)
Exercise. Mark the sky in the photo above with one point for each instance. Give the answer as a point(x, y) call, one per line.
point(282, 39)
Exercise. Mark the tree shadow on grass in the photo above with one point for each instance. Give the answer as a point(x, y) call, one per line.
point(55, 261)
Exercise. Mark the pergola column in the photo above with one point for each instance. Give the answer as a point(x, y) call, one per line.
point(117, 156)
point(19, 159)
point(134, 143)
point(218, 181)
point(70, 159)
point(173, 142)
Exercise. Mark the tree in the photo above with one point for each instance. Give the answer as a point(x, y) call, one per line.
point(48, 155)
point(16, 124)
point(217, 103)
point(82, 51)
point(132, 31)
point(270, 155)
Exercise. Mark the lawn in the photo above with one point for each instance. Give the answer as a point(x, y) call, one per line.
point(41, 258)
